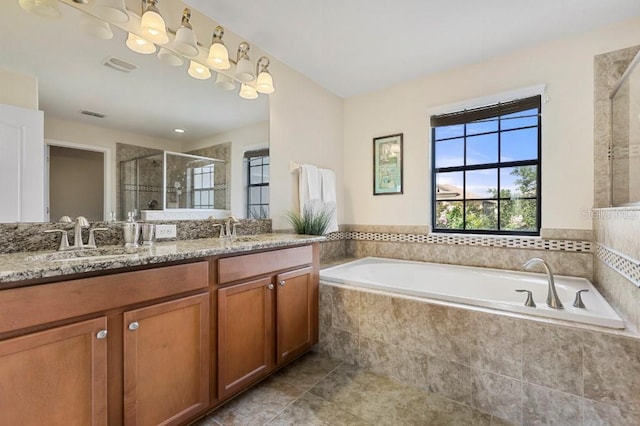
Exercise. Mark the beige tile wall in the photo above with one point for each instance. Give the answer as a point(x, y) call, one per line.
point(524, 371)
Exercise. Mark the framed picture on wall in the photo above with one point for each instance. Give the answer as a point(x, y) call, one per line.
point(387, 165)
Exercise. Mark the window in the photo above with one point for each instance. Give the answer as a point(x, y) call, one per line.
point(486, 169)
point(257, 183)
point(203, 187)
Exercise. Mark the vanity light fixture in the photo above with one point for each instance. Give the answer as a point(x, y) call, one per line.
point(264, 81)
point(111, 10)
point(225, 82)
point(244, 69)
point(185, 42)
point(152, 25)
point(247, 91)
point(140, 45)
point(167, 57)
point(44, 8)
point(218, 54)
point(198, 71)
point(152, 33)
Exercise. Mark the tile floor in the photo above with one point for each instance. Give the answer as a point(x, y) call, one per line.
point(316, 390)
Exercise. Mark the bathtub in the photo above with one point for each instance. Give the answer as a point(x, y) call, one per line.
point(489, 288)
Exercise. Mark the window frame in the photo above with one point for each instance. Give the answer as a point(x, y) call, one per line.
point(468, 116)
point(249, 156)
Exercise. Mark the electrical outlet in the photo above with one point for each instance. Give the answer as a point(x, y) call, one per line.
point(165, 231)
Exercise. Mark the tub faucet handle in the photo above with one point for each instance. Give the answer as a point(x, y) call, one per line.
point(577, 303)
point(529, 302)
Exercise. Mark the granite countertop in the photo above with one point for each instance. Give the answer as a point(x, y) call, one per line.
point(23, 266)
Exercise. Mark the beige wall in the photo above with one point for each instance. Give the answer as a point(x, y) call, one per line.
point(246, 138)
point(58, 130)
point(306, 127)
point(76, 183)
point(18, 89)
point(565, 66)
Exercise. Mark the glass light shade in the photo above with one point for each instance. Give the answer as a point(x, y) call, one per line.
point(185, 42)
point(248, 92)
point(111, 10)
point(140, 45)
point(264, 83)
point(244, 71)
point(219, 57)
point(225, 82)
point(95, 27)
point(44, 8)
point(153, 27)
point(167, 57)
point(198, 71)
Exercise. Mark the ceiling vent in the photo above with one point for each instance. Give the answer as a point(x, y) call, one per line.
point(119, 64)
point(92, 113)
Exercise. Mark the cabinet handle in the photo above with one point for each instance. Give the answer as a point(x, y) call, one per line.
point(134, 326)
point(270, 286)
point(282, 283)
point(102, 334)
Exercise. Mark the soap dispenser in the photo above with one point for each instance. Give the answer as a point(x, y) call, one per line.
point(131, 231)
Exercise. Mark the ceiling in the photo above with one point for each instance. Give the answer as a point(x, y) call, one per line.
point(357, 46)
point(152, 100)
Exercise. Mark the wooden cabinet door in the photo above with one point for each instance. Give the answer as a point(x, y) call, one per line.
point(245, 334)
point(295, 313)
point(166, 361)
point(55, 377)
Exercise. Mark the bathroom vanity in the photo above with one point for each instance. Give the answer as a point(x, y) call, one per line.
point(155, 338)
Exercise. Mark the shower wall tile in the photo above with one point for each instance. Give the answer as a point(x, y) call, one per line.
point(621, 293)
point(449, 379)
point(553, 357)
point(496, 343)
point(562, 263)
point(393, 361)
point(598, 414)
point(612, 371)
point(522, 371)
point(346, 309)
point(544, 406)
point(498, 395)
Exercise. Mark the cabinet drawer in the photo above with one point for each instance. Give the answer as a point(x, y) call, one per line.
point(251, 265)
point(41, 304)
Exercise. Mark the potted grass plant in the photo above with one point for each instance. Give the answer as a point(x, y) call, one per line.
point(310, 221)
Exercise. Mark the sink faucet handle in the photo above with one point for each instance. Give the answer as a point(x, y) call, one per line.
point(577, 303)
point(92, 238)
point(529, 302)
point(64, 239)
point(215, 225)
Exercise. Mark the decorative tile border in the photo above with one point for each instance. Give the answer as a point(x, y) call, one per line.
point(624, 265)
point(467, 240)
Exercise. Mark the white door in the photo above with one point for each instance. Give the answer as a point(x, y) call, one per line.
point(21, 165)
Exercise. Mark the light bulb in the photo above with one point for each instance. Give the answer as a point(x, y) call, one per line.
point(140, 45)
point(198, 71)
point(218, 56)
point(152, 25)
point(248, 92)
point(264, 83)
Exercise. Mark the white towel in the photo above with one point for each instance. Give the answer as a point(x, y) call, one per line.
point(309, 188)
point(329, 200)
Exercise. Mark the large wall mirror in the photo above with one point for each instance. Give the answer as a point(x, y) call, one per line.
point(111, 114)
point(624, 152)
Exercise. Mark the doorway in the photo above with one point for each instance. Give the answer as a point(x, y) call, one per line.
point(77, 182)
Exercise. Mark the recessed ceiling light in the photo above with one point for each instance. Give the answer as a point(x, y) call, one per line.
point(178, 130)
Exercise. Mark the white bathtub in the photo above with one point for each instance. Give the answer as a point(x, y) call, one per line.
point(491, 288)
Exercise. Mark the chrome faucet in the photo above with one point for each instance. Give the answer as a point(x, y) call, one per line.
point(81, 222)
point(230, 231)
point(553, 301)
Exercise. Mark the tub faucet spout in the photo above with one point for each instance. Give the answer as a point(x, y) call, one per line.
point(553, 301)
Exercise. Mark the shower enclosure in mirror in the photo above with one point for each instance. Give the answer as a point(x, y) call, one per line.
point(624, 150)
point(172, 180)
